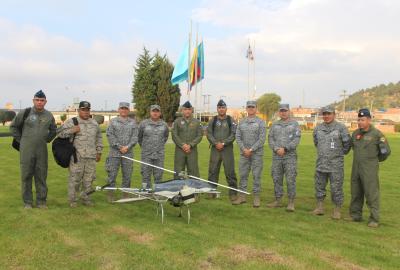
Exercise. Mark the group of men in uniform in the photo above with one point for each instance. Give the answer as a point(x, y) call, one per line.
point(331, 139)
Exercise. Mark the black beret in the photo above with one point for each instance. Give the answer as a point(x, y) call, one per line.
point(39, 94)
point(221, 103)
point(364, 112)
point(187, 104)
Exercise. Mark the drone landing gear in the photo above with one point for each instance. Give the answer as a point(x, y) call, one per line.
point(188, 212)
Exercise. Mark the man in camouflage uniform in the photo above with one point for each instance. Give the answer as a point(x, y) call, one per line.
point(88, 144)
point(122, 137)
point(283, 138)
point(153, 134)
point(250, 137)
point(333, 141)
point(369, 147)
point(221, 134)
point(186, 134)
point(38, 129)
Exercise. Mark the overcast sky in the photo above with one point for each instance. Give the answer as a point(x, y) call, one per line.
point(87, 49)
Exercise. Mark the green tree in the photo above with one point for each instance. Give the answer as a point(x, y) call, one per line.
point(99, 118)
point(377, 97)
point(168, 95)
point(152, 85)
point(63, 117)
point(6, 116)
point(143, 90)
point(2, 116)
point(268, 104)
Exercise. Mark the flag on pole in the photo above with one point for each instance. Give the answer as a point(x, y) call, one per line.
point(197, 65)
point(180, 73)
point(201, 61)
point(249, 54)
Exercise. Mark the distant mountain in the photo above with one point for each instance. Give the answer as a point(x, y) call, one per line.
point(378, 97)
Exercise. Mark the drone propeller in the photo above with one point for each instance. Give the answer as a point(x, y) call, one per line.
point(188, 176)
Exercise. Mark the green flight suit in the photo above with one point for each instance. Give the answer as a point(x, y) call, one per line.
point(38, 130)
point(222, 131)
point(186, 131)
point(364, 174)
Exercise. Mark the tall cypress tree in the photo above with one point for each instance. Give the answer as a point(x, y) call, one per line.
point(143, 90)
point(152, 85)
point(168, 95)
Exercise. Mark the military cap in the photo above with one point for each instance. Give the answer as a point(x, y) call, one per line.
point(123, 105)
point(221, 103)
point(155, 107)
point(328, 109)
point(284, 107)
point(84, 104)
point(39, 94)
point(251, 103)
point(364, 112)
point(187, 104)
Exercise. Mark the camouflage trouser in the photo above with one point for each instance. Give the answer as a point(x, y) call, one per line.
point(336, 183)
point(81, 177)
point(255, 164)
point(112, 167)
point(148, 171)
point(284, 167)
point(226, 157)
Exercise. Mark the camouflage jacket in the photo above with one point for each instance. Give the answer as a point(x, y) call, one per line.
point(121, 132)
point(250, 134)
point(152, 138)
point(284, 134)
point(88, 141)
point(333, 142)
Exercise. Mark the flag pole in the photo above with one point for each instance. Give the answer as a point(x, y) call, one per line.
point(195, 71)
point(254, 69)
point(248, 72)
point(201, 84)
point(188, 72)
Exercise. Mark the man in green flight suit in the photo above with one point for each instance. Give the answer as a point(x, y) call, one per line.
point(369, 146)
point(186, 134)
point(38, 129)
point(221, 134)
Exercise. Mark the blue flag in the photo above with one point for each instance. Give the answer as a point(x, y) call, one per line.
point(201, 60)
point(180, 73)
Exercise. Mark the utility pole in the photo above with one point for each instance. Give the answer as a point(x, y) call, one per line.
point(344, 99)
point(208, 103)
point(204, 102)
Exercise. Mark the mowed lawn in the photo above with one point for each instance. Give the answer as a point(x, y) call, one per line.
point(220, 236)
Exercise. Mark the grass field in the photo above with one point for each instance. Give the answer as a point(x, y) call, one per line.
point(4, 128)
point(220, 236)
